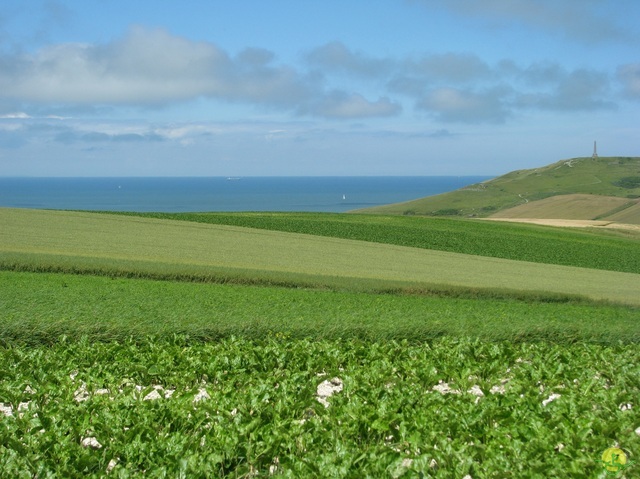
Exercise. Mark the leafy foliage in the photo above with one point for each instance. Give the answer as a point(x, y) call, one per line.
point(444, 409)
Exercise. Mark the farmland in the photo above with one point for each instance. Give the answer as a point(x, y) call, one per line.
point(129, 245)
point(585, 248)
point(240, 408)
point(40, 307)
point(199, 346)
point(582, 207)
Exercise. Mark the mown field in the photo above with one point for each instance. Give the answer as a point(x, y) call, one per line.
point(127, 245)
point(610, 250)
point(146, 347)
point(629, 215)
point(579, 207)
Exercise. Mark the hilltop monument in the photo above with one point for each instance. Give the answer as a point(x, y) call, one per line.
point(595, 151)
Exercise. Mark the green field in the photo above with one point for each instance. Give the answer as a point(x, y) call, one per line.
point(193, 345)
point(604, 176)
point(240, 408)
point(603, 249)
point(41, 307)
point(127, 245)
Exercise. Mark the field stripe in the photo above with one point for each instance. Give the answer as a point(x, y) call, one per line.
point(170, 242)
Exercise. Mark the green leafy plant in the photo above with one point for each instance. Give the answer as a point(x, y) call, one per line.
point(237, 407)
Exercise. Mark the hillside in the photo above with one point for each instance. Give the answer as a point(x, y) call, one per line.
point(617, 177)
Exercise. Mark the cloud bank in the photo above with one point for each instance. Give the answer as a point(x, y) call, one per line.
point(629, 76)
point(152, 67)
point(584, 20)
point(461, 87)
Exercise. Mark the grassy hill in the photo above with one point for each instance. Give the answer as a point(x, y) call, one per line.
point(605, 177)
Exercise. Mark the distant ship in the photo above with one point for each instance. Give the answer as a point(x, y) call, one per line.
point(233, 178)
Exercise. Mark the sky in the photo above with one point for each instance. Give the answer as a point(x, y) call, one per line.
point(314, 88)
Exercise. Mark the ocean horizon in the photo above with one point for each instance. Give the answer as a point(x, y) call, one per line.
point(223, 194)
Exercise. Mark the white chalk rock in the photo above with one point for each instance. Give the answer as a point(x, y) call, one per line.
point(328, 388)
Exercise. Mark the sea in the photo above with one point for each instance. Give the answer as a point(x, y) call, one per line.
point(199, 194)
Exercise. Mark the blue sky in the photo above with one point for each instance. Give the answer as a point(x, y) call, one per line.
point(295, 88)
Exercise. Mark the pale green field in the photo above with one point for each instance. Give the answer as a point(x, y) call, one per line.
point(142, 244)
point(569, 207)
point(629, 215)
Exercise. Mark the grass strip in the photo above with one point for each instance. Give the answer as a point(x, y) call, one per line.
point(40, 308)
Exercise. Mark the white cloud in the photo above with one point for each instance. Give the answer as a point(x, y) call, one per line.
point(337, 57)
point(144, 67)
point(451, 67)
point(586, 21)
point(153, 67)
point(342, 105)
point(466, 106)
point(629, 76)
point(462, 87)
point(180, 132)
point(572, 91)
point(18, 115)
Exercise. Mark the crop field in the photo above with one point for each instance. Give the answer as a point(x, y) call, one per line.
point(40, 307)
point(313, 345)
point(570, 247)
point(627, 215)
point(300, 408)
point(128, 244)
point(580, 207)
